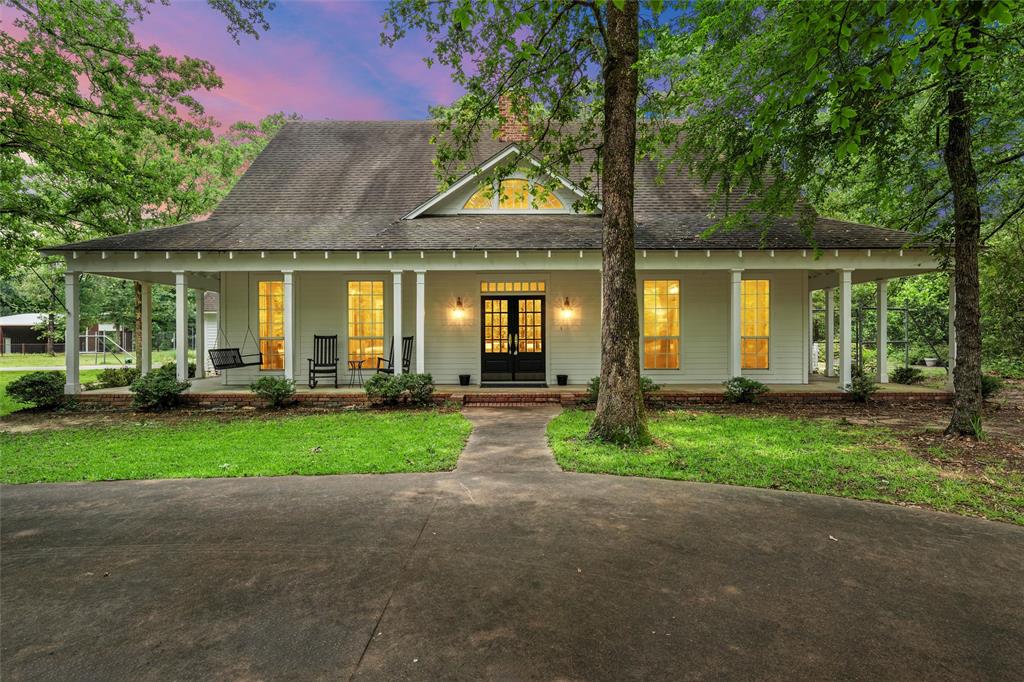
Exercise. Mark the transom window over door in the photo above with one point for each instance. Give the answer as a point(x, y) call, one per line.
point(366, 321)
point(755, 323)
point(661, 324)
point(271, 316)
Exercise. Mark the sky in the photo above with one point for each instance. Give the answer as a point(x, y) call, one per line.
point(320, 59)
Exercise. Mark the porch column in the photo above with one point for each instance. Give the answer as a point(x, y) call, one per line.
point(845, 327)
point(289, 324)
point(830, 332)
point(200, 335)
point(181, 325)
point(882, 325)
point(72, 287)
point(951, 359)
point(396, 323)
point(145, 358)
point(421, 320)
point(812, 359)
point(735, 367)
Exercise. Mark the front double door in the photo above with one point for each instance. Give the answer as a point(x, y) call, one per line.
point(512, 338)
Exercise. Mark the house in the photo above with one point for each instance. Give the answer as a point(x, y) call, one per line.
point(338, 228)
point(24, 333)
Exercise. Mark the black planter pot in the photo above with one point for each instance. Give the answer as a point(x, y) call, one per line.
point(463, 380)
point(563, 379)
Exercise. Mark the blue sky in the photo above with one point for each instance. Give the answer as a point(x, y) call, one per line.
point(319, 59)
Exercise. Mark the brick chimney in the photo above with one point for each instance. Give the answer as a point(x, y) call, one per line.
point(513, 128)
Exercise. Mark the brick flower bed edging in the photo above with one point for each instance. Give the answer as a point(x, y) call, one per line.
point(122, 401)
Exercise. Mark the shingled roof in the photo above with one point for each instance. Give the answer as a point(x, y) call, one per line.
point(345, 185)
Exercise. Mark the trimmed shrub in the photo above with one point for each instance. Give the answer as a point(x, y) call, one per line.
point(158, 390)
point(647, 386)
point(743, 390)
point(42, 389)
point(172, 368)
point(277, 391)
point(861, 386)
point(404, 389)
point(117, 376)
point(906, 375)
point(990, 385)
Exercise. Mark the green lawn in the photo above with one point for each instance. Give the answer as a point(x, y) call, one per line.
point(8, 405)
point(57, 361)
point(823, 457)
point(343, 443)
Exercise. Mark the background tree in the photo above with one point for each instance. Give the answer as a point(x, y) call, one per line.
point(102, 135)
point(569, 68)
point(916, 102)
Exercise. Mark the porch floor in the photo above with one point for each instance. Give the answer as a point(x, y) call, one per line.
point(818, 384)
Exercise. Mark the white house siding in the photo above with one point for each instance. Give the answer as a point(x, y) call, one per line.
point(452, 347)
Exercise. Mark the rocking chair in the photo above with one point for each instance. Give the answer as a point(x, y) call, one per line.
point(325, 359)
point(387, 365)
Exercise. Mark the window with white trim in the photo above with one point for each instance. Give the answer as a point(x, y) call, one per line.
point(661, 324)
point(755, 313)
point(514, 194)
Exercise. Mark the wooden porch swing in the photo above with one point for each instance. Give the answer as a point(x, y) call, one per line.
point(233, 358)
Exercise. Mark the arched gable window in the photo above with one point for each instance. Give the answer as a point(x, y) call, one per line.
point(514, 195)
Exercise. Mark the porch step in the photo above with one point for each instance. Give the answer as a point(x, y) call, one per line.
point(517, 398)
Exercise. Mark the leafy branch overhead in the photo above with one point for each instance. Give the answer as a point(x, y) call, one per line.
point(797, 99)
point(102, 134)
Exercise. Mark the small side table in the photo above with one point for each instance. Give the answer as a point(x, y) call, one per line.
point(355, 372)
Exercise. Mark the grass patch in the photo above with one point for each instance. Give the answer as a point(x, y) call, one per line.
point(57, 361)
point(8, 404)
point(342, 443)
point(822, 456)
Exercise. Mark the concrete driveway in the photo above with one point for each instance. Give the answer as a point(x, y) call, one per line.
point(504, 569)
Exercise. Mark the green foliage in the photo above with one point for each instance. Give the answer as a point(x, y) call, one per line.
point(42, 389)
point(1011, 368)
point(117, 376)
point(824, 457)
point(990, 386)
point(158, 390)
point(207, 446)
point(743, 390)
point(403, 389)
point(906, 375)
point(861, 387)
point(647, 387)
point(172, 368)
point(277, 391)
point(102, 134)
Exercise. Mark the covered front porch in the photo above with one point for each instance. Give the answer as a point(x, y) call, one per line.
point(511, 317)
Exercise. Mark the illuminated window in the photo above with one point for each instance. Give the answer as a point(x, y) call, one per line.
point(510, 287)
point(366, 321)
point(661, 324)
point(483, 199)
point(754, 323)
point(544, 199)
point(271, 316)
point(514, 195)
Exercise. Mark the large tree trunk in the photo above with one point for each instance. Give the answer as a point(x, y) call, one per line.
point(620, 407)
point(966, 236)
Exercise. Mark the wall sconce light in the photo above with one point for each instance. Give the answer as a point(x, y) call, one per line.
point(459, 311)
point(566, 312)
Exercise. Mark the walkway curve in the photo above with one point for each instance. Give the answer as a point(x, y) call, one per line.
point(504, 569)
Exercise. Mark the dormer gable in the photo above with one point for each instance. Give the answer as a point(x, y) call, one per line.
point(530, 189)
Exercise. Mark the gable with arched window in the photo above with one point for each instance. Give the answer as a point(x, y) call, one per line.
point(514, 195)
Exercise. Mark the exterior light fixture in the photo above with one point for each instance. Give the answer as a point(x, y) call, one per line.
point(459, 311)
point(566, 309)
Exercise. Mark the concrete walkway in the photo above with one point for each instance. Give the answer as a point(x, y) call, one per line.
point(503, 569)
